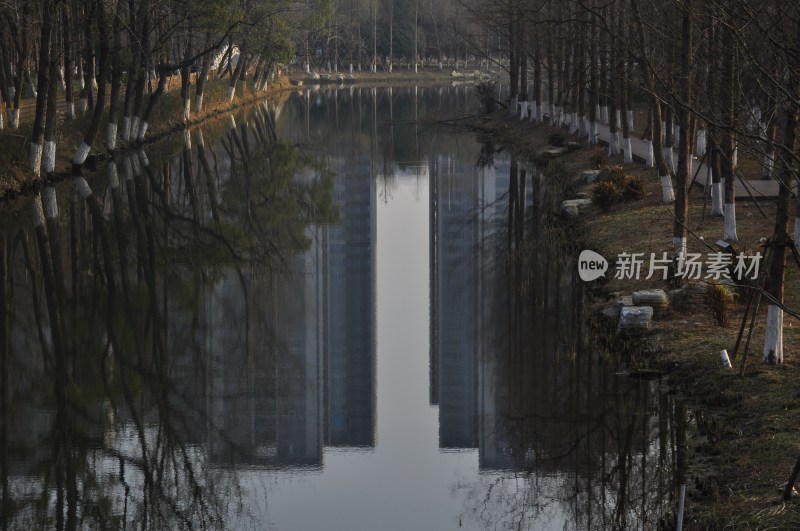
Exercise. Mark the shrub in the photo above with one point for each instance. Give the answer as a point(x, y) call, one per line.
point(557, 139)
point(487, 93)
point(598, 160)
point(632, 188)
point(606, 194)
point(719, 298)
point(613, 174)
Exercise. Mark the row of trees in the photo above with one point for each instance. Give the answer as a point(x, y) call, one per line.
point(113, 59)
point(378, 34)
point(717, 77)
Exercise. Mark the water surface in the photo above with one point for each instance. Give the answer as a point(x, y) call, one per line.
point(325, 313)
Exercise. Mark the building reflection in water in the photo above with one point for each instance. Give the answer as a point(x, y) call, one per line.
point(248, 366)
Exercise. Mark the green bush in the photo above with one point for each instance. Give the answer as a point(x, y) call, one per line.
point(557, 139)
point(632, 188)
point(606, 194)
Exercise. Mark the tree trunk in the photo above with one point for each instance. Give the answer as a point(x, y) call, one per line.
point(116, 81)
point(728, 102)
point(200, 81)
point(69, 64)
point(37, 135)
point(94, 126)
point(684, 142)
point(773, 333)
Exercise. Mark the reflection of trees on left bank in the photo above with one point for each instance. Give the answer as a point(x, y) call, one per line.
point(145, 334)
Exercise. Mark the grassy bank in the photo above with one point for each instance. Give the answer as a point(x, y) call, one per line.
point(16, 178)
point(747, 427)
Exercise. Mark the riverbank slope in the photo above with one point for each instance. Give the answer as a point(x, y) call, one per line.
point(746, 422)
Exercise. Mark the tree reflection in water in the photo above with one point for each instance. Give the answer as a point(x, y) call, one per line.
point(564, 442)
point(108, 314)
point(166, 331)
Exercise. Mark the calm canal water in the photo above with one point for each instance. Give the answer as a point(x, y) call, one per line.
point(319, 314)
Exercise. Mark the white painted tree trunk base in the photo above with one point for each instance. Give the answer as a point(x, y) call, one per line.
point(679, 245)
point(231, 93)
point(81, 153)
point(583, 125)
point(135, 167)
point(13, 118)
point(35, 158)
point(573, 124)
point(83, 105)
point(614, 146)
point(142, 131)
point(649, 156)
point(767, 165)
point(49, 156)
point(37, 211)
point(70, 111)
point(592, 133)
point(134, 128)
point(198, 103)
point(127, 168)
point(729, 225)
point(773, 335)
point(49, 203)
point(82, 187)
point(717, 195)
point(627, 151)
point(187, 109)
point(111, 136)
point(145, 162)
point(113, 178)
point(667, 192)
point(700, 150)
point(630, 121)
